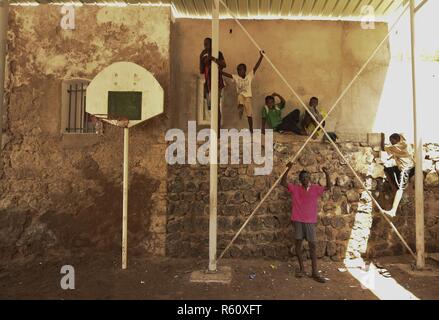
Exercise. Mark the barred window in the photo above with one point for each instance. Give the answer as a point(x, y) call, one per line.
point(74, 118)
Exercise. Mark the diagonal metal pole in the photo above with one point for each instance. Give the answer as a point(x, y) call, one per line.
point(419, 6)
point(319, 126)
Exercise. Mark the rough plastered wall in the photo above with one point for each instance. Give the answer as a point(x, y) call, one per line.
point(348, 226)
point(63, 193)
point(318, 58)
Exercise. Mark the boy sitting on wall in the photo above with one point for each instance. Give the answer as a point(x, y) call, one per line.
point(294, 121)
point(272, 114)
point(308, 123)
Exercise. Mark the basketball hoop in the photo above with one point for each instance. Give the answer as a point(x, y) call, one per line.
point(124, 95)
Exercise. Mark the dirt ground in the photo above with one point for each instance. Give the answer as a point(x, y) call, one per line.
point(168, 279)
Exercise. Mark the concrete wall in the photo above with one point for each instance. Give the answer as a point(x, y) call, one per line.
point(63, 193)
point(318, 58)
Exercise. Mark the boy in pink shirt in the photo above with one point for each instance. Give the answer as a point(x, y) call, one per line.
point(304, 216)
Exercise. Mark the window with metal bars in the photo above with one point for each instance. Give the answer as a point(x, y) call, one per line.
point(75, 119)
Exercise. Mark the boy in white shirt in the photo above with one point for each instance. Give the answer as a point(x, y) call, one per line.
point(399, 175)
point(243, 83)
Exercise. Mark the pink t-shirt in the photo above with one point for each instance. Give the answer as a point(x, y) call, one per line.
point(305, 203)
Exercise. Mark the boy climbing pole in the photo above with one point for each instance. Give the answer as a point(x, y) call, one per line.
point(304, 216)
point(399, 175)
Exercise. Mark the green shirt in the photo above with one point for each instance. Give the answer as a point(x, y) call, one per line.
point(273, 116)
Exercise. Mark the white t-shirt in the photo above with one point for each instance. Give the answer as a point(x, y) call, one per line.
point(402, 155)
point(244, 86)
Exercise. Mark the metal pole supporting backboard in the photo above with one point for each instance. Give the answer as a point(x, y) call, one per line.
point(126, 146)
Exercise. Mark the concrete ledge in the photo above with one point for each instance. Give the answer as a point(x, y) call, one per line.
point(375, 139)
point(428, 271)
point(222, 276)
point(352, 137)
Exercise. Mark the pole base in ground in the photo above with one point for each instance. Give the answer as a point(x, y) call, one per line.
point(222, 276)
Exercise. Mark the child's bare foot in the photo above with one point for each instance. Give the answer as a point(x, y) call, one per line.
point(318, 278)
point(390, 213)
point(241, 111)
point(300, 273)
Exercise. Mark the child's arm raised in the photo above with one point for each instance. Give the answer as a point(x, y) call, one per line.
point(259, 61)
point(282, 99)
point(328, 179)
point(284, 181)
point(228, 75)
point(221, 62)
point(263, 125)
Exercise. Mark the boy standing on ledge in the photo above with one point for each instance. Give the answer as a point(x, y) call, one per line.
point(243, 81)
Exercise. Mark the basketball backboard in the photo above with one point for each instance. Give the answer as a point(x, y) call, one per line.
point(125, 91)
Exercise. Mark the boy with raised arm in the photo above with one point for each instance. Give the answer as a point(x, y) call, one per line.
point(243, 81)
point(305, 198)
point(272, 116)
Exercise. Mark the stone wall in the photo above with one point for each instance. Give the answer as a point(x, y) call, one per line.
point(347, 222)
point(62, 193)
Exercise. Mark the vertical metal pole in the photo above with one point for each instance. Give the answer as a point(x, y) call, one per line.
point(69, 123)
point(214, 141)
point(419, 178)
point(126, 135)
point(4, 12)
point(82, 108)
point(86, 114)
point(76, 107)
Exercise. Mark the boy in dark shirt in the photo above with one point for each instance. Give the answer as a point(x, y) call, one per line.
point(206, 69)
